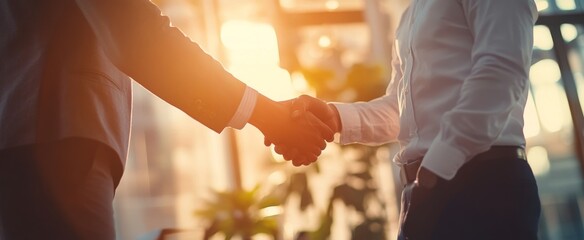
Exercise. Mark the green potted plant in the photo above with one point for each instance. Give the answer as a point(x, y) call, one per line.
point(240, 213)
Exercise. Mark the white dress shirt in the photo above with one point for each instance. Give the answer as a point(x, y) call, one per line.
point(459, 83)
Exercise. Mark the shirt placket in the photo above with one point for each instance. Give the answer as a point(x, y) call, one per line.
point(412, 127)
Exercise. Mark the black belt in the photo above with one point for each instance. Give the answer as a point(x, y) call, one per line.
point(409, 170)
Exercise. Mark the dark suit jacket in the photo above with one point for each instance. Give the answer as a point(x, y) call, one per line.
point(66, 67)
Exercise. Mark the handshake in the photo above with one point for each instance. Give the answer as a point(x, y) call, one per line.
point(299, 128)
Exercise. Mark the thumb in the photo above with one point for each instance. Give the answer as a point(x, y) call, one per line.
point(314, 105)
point(267, 142)
point(325, 130)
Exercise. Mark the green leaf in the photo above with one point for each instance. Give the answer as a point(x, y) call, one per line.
point(269, 201)
point(266, 225)
point(324, 229)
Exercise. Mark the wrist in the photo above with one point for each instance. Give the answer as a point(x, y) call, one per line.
point(336, 119)
point(263, 113)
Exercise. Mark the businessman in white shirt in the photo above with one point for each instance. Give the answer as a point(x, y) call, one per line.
point(455, 105)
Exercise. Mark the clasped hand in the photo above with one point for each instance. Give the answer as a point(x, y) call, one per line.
point(313, 123)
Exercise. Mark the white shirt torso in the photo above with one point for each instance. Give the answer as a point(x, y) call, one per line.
point(459, 83)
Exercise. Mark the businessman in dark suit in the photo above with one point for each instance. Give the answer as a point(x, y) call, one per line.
point(65, 107)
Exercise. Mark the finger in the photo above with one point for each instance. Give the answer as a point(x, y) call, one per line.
point(297, 114)
point(301, 103)
point(305, 140)
point(300, 159)
point(310, 158)
point(267, 142)
point(314, 105)
point(313, 149)
point(321, 146)
point(299, 107)
point(297, 162)
point(321, 110)
point(280, 149)
point(325, 131)
point(291, 154)
point(311, 139)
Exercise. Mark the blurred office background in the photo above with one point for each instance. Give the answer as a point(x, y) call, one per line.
point(183, 177)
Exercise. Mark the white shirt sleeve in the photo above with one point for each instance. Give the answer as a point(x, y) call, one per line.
point(503, 39)
point(245, 109)
point(368, 123)
point(375, 122)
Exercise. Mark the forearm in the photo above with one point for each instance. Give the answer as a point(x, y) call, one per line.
point(142, 43)
point(371, 123)
point(335, 122)
point(265, 113)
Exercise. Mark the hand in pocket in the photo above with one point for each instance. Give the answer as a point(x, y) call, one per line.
point(421, 208)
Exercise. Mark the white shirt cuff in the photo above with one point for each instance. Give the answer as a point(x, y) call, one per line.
point(351, 125)
point(444, 160)
point(245, 109)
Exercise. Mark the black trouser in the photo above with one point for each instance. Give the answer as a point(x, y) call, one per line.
point(492, 198)
point(62, 190)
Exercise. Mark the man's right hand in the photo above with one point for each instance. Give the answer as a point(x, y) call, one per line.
point(325, 112)
point(318, 114)
point(303, 137)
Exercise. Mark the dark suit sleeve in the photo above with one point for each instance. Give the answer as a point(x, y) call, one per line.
point(141, 43)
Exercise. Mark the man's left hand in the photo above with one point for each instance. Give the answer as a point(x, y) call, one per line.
point(427, 178)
